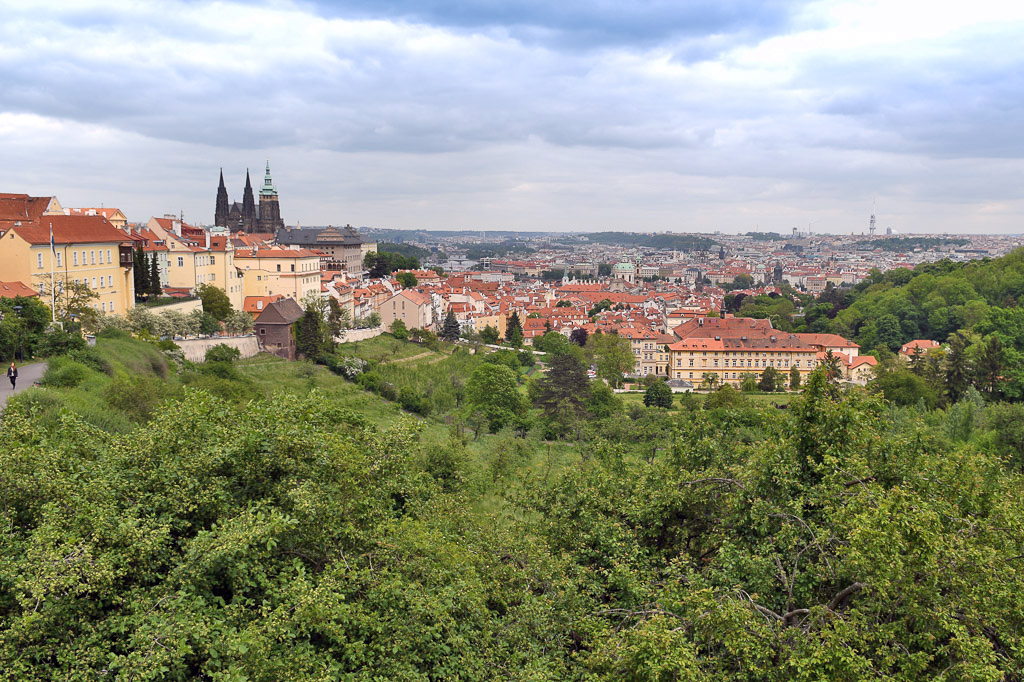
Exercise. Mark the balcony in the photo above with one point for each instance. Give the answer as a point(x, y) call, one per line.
point(126, 255)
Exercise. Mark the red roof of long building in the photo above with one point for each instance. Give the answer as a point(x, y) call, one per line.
point(69, 229)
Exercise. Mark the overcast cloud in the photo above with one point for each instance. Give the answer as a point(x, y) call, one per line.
point(709, 115)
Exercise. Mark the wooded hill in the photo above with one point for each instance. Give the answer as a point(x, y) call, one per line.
point(271, 521)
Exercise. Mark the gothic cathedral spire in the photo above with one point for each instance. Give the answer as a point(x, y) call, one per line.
point(249, 216)
point(220, 215)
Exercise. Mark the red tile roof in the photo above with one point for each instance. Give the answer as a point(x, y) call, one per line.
point(71, 230)
point(15, 289)
point(22, 208)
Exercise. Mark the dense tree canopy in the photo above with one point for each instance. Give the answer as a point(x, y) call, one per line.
point(288, 536)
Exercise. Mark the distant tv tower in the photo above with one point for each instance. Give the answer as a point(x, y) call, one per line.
point(871, 225)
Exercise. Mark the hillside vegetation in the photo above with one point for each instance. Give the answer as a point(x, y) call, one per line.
point(266, 520)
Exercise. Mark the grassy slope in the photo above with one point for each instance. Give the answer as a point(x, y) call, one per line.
point(126, 382)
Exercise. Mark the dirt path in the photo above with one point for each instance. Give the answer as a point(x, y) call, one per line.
point(409, 359)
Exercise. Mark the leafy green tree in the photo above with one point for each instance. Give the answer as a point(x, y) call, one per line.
point(407, 279)
point(399, 330)
point(382, 263)
point(514, 331)
point(749, 383)
point(612, 355)
point(603, 402)
point(451, 330)
point(709, 380)
point(902, 387)
point(989, 366)
point(338, 318)
point(489, 334)
point(794, 379)
point(215, 301)
point(658, 394)
point(770, 380)
point(493, 390)
point(238, 322)
point(208, 324)
point(957, 370)
point(553, 343)
point(725, 396)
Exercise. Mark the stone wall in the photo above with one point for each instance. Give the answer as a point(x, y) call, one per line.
point(195, 349)
point(184, 307)
point(352, 335)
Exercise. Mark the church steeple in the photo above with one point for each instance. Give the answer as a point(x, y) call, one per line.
point(268, 188)
point(220, 214)
point(270, 211)
point(249, 216)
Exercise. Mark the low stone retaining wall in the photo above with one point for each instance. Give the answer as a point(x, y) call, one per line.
point(195, 349)
point(184, 307)
point(353, 335)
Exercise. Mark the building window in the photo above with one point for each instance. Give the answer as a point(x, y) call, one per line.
point(181, 261)
point(103, 307)
point(58, 260)
point(111, 306)
point(279, 267)
point(213, 276)
point(293, 267)
point(108, 256)
point(93, 282)
point(213, 260)
point(92, 258)
point(262, 331)
point(39, 259)
point(74, 257)
point(110, 280)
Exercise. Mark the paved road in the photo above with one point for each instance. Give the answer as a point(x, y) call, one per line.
point(27, 375)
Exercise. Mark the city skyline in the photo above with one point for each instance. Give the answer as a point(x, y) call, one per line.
point(582, 117)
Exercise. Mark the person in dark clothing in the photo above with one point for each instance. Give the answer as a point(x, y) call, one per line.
point(12, 374)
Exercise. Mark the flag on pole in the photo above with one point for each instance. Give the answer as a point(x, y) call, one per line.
point(53, 282)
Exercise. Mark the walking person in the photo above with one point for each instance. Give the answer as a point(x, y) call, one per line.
point(12, 374)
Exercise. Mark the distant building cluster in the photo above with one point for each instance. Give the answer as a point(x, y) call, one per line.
point(669, 303)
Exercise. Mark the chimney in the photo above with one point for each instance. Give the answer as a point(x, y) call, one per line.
point(207, 239)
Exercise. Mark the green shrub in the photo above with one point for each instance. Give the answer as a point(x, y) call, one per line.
point(65, 373)
point(112, 333)
point(222, 353)
point(136, 396)
point(221, 369)
point(411, 400)
point(90, 357)
point(59, 343)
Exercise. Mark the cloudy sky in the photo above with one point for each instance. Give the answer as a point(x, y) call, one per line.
point(682, 115)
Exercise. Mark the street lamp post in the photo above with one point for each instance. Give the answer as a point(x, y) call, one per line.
point(21, 338)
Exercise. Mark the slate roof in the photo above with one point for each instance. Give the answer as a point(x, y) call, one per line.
point(319, 236)
point(285, 311)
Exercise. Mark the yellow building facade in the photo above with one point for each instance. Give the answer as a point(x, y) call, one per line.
point(731, 360)
point(291, 273)
point(86, 249)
